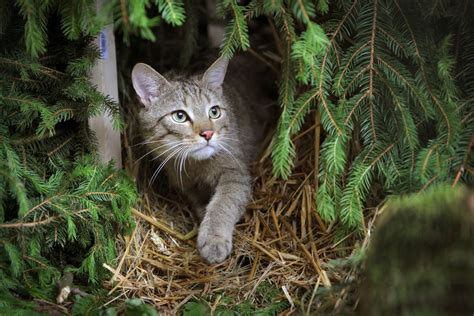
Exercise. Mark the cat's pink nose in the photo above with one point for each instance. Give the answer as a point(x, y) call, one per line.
point(207, 134)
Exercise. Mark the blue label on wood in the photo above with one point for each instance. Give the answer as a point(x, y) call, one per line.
point(103, 43)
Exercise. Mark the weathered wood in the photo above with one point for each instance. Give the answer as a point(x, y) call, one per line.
point(104, 75)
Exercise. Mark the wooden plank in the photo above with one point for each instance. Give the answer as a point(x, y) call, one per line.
point(104, 75)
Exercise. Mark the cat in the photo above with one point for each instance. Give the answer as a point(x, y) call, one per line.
point(206, 133)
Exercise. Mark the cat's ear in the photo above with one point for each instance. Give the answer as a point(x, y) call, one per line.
point(148, 83)
point(214, 75)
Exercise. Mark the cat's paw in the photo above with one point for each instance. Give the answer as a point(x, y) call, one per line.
point(214, 248)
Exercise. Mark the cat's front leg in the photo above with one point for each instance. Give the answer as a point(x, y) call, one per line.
point(222, 213)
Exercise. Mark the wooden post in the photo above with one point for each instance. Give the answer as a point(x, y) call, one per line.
point(104, 75)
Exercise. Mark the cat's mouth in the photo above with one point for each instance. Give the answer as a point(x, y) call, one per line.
point(204, 152)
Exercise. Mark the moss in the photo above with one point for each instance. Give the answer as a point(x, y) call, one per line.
point(421, 260)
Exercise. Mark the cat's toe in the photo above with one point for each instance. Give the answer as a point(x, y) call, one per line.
point(214, 249)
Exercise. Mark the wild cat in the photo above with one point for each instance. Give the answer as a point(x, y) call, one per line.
point(206, 132)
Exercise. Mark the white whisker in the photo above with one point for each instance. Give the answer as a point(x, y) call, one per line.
point(177, 164)
point(184, 163)
point(228, 141)
point(172, 147)
point(163, 163)
point(164, 152)
point(156, 148)
point(151, 151)
point(222, 145)
point(146, 142)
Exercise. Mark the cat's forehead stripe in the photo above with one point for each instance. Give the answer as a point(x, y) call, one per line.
point(206, 98)
point(192, 94)
point(190, 88)
point(188, 101)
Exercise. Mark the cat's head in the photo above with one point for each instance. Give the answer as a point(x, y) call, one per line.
point(184, 117)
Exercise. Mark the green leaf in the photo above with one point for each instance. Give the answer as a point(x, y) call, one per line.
point(194, 308)
point(136, 307)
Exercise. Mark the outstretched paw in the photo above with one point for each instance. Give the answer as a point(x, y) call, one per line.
point(214, 248)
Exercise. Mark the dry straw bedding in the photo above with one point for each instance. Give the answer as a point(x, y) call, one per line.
point(280, 240)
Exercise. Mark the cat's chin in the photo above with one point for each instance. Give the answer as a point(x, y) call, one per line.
point(203, 153)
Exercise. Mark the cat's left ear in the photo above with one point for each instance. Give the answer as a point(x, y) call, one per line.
point(215, 74)
point(148, 83)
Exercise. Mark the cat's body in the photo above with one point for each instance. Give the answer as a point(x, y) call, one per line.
point(205, 133)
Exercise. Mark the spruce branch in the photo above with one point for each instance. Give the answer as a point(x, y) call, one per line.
point(172, 11)
point(423, 72)
point(324, 65)
point(357, 187)
point(236, 33)
point(45, 221)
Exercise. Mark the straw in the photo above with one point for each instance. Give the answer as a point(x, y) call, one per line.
point(281, 240)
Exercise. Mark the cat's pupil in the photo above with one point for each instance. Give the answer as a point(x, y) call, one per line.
point(214, 112)
point(179, 116)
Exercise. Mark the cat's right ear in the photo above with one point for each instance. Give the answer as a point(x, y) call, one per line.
point(148, 83)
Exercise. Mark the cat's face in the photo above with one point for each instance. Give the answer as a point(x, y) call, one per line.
point(186, 118)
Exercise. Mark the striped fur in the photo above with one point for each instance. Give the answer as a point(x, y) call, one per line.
point(213, 175)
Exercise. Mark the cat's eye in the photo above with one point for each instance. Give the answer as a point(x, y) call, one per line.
point(215, 112)
point(179, 116)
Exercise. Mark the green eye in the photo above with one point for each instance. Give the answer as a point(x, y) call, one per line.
point(179, 116)
point(215, 112)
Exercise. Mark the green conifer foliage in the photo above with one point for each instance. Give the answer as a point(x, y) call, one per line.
point(132, 17)
point(59, 206)
point(390, 82)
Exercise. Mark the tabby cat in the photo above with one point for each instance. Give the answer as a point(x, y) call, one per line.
point(205, 132)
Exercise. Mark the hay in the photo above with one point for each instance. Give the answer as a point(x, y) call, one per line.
point(281, 240)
